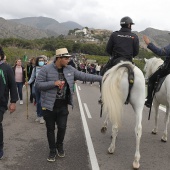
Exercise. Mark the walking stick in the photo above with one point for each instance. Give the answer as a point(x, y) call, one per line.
point(25, 61)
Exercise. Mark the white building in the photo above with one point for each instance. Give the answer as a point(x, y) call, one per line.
point(84, 30)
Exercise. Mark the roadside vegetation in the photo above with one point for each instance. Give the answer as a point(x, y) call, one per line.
point(17, 48)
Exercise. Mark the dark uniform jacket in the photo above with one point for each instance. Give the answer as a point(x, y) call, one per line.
point(123, 43)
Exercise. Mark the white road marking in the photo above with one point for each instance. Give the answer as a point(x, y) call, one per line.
point(87, 111)
point(93, 158)
point(79, 87)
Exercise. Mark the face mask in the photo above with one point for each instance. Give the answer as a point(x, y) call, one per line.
point(41, 63)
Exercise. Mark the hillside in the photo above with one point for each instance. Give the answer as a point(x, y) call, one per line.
point(161, 38)
point(40, 27)
point(11, 29)
point(71, 25)
point(49, 24)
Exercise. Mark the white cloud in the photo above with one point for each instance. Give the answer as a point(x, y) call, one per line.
point(93, 13)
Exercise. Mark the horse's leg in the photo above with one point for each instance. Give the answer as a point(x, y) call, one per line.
point(104, 128)
point(114, 135)
point(164, 137)
point(138, 133)
point(156, 107)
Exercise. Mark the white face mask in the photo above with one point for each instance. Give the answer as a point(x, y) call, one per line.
point(41, 63)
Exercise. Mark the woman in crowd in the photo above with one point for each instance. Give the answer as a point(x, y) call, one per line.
point(19, 72)
point(39, 63)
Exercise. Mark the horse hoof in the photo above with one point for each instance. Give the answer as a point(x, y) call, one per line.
point(154, 133)
point(111, 150)
point(136, 165)
point(163, 140)
point(103, 129)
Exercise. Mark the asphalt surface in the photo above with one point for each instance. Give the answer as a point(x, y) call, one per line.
point(155, 154)
point(26, 147)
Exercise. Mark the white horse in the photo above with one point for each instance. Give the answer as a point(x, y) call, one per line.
point(162, 96)
point(115, 88)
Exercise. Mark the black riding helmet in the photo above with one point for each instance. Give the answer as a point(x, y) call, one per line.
point(126, 21)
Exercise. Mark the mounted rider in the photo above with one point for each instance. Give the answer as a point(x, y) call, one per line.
point(163, 70)
point(122, 44)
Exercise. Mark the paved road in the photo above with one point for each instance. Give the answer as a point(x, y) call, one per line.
point(86, 148)
point(25, 142)
point(154, 154)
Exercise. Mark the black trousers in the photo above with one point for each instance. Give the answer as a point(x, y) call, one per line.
point(161, 72)
point(31, 95)
point(2, 111)
point(56, 117)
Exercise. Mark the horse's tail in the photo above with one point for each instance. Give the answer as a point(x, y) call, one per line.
point(112, 95)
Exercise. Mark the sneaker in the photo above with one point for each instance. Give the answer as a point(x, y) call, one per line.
point(1, 154)
point(60, 151)
point(37, 119)
point(42, 120)
point(21, 102)
point(52, 155)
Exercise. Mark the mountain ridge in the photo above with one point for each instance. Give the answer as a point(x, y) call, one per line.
point(44, 27)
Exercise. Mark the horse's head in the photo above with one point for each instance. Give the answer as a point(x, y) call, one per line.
point(147, 68)
point(151, 65)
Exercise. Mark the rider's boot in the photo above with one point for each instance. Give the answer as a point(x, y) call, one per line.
point(148, 102)
point(100, 100)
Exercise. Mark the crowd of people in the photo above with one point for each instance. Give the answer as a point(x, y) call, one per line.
point(50, 92)
point(52, 84)
point(93, 68)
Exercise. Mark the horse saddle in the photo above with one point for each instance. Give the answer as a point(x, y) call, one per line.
point(130, 79)
point(159, 84)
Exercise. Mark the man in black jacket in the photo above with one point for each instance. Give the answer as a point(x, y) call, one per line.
point(7, 85)
point(122, 44)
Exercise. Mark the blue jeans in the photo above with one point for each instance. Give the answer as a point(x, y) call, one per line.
point(2, 111)
point(59, 117)
point(38, 101)
point(19, 87)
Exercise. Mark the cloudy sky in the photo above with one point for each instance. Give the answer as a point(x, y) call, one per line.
point(105, 14)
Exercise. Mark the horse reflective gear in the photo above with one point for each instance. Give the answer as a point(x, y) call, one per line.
point(162, 96)
point(115, 90)
point(130, 79)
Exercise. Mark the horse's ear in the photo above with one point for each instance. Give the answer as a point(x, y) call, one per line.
point(145, 60)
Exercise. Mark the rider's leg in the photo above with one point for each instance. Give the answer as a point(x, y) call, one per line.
point(102, 72)
point(148, 102)
point(151, 85)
